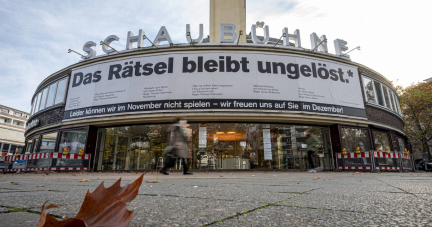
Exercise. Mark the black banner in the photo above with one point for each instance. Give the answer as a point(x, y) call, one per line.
point(215, 104)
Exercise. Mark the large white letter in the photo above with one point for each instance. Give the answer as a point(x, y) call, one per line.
point(162, 36)
point(108, 41)
point(340, 45)
point(200, 37)
point(255, 38)
point(228, 30)
point(135, 39)
point(90, 52)
point(315, 41)
point(288, 37)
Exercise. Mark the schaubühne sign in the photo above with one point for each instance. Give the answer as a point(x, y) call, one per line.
point(218, 80)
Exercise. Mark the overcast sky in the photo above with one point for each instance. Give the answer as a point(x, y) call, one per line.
point(35, 35)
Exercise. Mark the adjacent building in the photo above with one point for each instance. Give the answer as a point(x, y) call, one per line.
point(12, 125)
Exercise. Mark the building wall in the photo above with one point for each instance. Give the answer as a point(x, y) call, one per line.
point(11, 135)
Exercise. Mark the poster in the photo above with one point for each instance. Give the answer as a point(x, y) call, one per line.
point(267, 144)
point(218, 80)
point(202, 143)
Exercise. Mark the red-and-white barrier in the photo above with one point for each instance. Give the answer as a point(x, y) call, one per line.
point(365, 154)
point(394, 155)
point(70, 156)
point(399, 161)
point(354, 155)
point(405, 156)
point(12, 158)
point(55, 155)
point(38, 156)
point(355, 167)
point(385, 155)
point(68, 168)
point(387, 168)
point(14, 170)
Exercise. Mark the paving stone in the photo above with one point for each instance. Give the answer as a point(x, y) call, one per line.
point(265, 199)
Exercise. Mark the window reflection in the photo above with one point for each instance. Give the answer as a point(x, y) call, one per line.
point(381, 140)
point(355, 137)
point(369, 90)
point(48, 142)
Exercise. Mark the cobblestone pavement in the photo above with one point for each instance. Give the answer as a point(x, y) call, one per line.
point(234, 198)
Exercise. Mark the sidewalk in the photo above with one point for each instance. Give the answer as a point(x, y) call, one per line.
point(235, 198)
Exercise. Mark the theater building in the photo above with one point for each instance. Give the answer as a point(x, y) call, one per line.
point(247, 99)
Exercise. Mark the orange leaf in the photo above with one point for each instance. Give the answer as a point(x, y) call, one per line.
point(102, 207)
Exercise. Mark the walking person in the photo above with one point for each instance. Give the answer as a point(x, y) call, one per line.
point(312, 143)
point(177, 148)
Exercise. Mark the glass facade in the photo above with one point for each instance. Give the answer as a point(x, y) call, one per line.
point(216, 146)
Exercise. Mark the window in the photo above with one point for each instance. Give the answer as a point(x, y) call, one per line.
point(61, 88)
point(398, 105)
point(39, 95)
point(381, 140)
point(379, 93)
point(18, 123)
point(386, 97)
point(401, 144)
point(51, 94)
point(395, 143)
point(29, 146)
point(5, 111)
point(13, 148)
point(35, 146)
point(369, 90)
point(5, 148)
point(74, 141)
point(393, 102)
point(32, 107)
point(48, 142)
point(43, 99)
point(355, 137)
point(18, 114)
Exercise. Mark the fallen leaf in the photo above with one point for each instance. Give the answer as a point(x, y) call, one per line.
point(135, 173)
point(220, 176)
point(64, 217)
point(362, 174)
point(102, 207)
point(356, 172)
point(84, 180)
point(316, 178)
point(253, 175)
point(39, 186)
point(379, 173)
point(15, 183)
point(353, 173)
point(153, 181)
